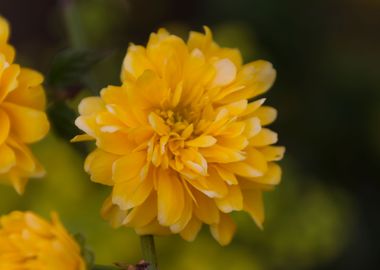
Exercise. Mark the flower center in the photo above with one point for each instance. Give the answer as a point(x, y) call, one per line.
point(174, 120)
point(168, 146)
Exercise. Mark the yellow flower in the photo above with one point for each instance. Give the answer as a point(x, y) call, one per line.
point(22, 116)
point(27, 242)
point(179, 141)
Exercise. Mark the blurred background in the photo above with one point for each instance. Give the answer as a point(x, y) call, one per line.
point(324, 215)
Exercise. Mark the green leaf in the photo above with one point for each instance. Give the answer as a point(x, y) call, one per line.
point(62, 118)
point(69, 67)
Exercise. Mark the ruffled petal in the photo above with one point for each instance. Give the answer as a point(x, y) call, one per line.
point(27, 124)
point(170, 197)
point(224, 230)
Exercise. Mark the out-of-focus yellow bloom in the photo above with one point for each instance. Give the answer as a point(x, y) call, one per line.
point(27, 242)
point(22, 116)
point(179, 141)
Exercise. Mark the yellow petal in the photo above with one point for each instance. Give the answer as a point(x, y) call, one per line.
point(191, 230)
point(18, 183)
point(253, 204)
point(150, 91)
point(252, 107)
point(263, 138)
point(7, 158)
point(233, 54)
point(158, 124)
point(257, 160)
point(273, 153)
point(194, 161)
point(116, 95)
point(205, 208)
point(233, 201)
point(225, 73)
point(168, 53)
point(91, 105)
point(252, 127)
point(170, 198)
point(224, 230)
point(177, 94)
point(243, 169)
point(246, 184)
point(38, 225)
point(199, 40)
point(25, 159)
point(29, 92)
point(143, 214)
point(232, 130)
point(259, 75)
point(153, 228)
point(129, 166)
point(27, 124)
point(99, 165)
point(8, 51)
point(186, 215)
point(115, 143)
point(266, 115)
point(8, 80)
point(82, 138)
point(124, 115)
point(237, 107)
point(237, 143)
point(132, 193)
point(4, 30)
point(226, 175)
point(202, 141)
point(215, 185)
point(4, 126)
point(220, 154)
point(272, 176)
point(113, 213)
point(135, 62)
point(87, 124)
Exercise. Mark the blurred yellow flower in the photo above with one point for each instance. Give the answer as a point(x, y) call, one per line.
point(27, 242)
point(22, 116)
point(179, 141)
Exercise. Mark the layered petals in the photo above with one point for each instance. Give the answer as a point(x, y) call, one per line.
point(29, 242)
point(179, 141)
point(22, 117)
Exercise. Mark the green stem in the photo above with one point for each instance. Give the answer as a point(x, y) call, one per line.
point(149, 251)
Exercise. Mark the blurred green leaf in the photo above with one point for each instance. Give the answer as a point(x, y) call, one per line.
point(69, 67)
point(62, 118)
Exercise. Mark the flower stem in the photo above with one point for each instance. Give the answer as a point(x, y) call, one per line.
point(149, 251)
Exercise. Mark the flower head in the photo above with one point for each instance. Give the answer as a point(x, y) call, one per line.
point(22, 116)
point(29, 242)
point(179, 141)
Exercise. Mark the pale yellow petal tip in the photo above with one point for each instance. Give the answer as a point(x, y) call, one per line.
point(207, 31)
point(82, 138)
point(4, 30)
point(19, 185)
point(260, 225)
